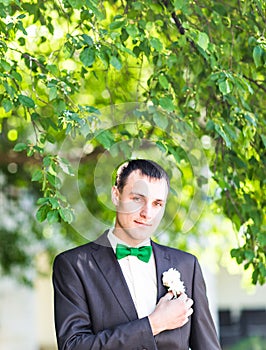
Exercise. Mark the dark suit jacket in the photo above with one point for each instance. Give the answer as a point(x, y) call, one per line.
point(94, 308)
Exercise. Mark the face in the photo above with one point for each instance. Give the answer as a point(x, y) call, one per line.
point(140, 207)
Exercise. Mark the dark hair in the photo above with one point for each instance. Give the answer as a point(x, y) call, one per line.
point(146, 167)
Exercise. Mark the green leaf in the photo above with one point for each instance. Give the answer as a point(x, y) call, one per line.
point(238, 254)
point(144, 46)
point(106, 139)
point(178, 4)
point(163, 81)
point(177, 152)
point(251, 119)
point(53, 216)
point(124, 35)
point(263, 137)
point(52, 93)
point(54, 202)
point(91, 109)
point(255, 275)
point(66, 214)
point(6, 2)
point(9, 89)
point(125, 49)
point(87, 39)
point(156, 44)
point(19, 25)
point(68, 50)
point(87, 56)
point(166, 103)
point(258, 56)
point(65, 166)
point(225, 87)
point(262, 268)
point(53, 69)
point(203, 41)
point(93, 5)
point(42, 200)
point(132, 30)
point(116, 24)
point(160, 120)
point(37, 175)
point(6, 66)
point(76, 4)
point(16, 76)
point(221, 132)
point(26, 101)
point(42, 213)
point(47, 161)
point(20, 147)
point(7, 104)
point(234, 253)
point(162, 146)
point(22, 41)
point(52, 179)
point(220, 8)
point(115, 62)
point(249, 254)
point(230, 131)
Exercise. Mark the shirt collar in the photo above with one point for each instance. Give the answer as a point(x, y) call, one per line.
point(114, 240)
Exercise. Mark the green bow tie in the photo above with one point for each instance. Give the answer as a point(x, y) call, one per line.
point(142, 253)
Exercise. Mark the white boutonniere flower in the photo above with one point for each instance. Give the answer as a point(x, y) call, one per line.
point(171, 279)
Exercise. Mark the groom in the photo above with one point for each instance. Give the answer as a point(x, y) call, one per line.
point(109, 293)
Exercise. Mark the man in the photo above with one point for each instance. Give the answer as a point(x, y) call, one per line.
point(107, 299)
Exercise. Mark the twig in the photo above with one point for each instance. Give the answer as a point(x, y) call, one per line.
point(255, 82)
point(178, 23)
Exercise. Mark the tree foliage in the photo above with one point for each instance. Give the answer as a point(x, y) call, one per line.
point(201, 63)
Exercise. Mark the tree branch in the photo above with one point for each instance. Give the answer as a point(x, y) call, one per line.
point(176, 19)
point(255, 82)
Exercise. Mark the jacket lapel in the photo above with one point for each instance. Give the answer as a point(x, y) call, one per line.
point(106, 260)
point(108, 265)
point(163, 263)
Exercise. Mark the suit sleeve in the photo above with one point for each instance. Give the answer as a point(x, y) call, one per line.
point(203, 333)
point(73, 322)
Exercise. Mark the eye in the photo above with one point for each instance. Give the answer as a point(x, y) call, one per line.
point(158, 204)
point(136, 199)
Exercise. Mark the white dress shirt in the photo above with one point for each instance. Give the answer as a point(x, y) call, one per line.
point(140, 277)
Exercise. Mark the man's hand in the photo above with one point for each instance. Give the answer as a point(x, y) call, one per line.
point(170, 313)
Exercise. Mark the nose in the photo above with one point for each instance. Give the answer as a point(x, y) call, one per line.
point(146, 211)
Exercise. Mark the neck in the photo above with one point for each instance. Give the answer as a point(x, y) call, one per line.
point(125, 238)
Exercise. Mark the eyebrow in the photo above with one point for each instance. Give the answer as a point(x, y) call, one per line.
point(143, 196)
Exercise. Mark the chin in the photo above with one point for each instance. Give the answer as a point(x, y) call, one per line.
point(141, 234)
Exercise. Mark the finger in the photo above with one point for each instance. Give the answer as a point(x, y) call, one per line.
point(183, 297)
point(189, 303)
point(168, 296)
point(189, 312)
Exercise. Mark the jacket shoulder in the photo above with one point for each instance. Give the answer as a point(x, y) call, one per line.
point(75, 253)
point(84, 250)
point(175, 252)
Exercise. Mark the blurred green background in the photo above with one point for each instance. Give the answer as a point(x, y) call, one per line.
point(85, 85)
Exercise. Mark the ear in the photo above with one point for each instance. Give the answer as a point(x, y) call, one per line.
point(115, 195)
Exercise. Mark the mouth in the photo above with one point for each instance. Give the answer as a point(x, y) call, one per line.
point(142, 223)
